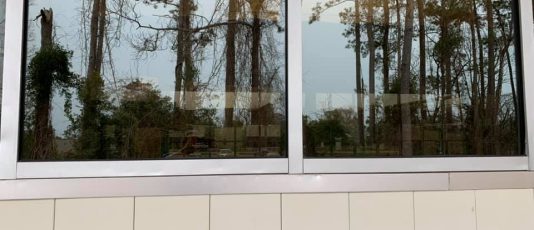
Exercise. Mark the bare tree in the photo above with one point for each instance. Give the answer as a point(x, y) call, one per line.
point(406, 118)
point(230, 84)
point(372, 63)
point(491, 106)
point(91, 94)
point(256, 7)
point(360, 133)
point(422, 59)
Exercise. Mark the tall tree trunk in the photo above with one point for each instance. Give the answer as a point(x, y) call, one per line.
point(43, 135)
point(385, 66)
point(233, 7)
point(178, 78)
point(257, 6)
point(482, 82)
point(406, 119)
point(385, 46)
point(422, 59)
point(504, 56)
point(399, 36)
point(92, 142)
point(256, 117)
point(179, 70)
point(448, 77)
point(97, 30)
point(512, 82)
point(491, 107)
point(360, 134)
point(186, 10)
point(101, 36)
point(372, 61)
point(475, 98)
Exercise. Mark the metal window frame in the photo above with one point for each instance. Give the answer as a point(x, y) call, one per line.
point(447, 163)
point(527, 46)
point(10, 168)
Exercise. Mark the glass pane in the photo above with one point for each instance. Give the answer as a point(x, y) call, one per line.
point(410, 78)
point(175, 79)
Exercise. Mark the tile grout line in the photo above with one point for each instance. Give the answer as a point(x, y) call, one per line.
point(54, 216)
point(281, 213)
point(476, 213)
point(209, 212)
point(348, 199)
point(133, 219)
point(413, 209)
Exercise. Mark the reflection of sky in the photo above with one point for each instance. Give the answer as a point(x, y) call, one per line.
point(329, 67)
point(156, 67)
point(329, 73)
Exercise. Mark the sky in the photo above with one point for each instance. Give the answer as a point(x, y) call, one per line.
point(156, 68)
point(328, 66)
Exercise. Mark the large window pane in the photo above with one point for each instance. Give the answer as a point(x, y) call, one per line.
point(408, 78)
point(118, 79)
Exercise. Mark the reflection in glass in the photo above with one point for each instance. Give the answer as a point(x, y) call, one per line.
point(410, 78)
point(115, 79)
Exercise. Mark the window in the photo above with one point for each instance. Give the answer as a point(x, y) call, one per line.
point(411, 78)
point(136, 80)
point(181, 87)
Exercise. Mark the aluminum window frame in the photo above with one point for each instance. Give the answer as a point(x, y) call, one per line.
point(450, 163)
point(10, 168)
point(295, 163)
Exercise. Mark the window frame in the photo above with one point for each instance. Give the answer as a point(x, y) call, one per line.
point(295, 163)
point(453, 163)
point(11, 168)
point(527, 53)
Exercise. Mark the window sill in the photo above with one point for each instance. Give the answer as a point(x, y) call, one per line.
point(254, 184)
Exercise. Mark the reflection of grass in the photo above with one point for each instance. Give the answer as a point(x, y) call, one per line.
point(216, 155)
point(358, 152)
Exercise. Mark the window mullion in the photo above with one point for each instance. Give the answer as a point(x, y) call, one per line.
point(527, 45)
point(294, 85)
point(11, 89)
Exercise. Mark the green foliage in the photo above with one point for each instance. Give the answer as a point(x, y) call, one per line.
point(50, 69)
point(140, 121)
point(48, 72)
point(91, 143)
point(329, 128)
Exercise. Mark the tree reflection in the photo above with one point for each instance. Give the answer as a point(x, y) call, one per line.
point(454, 93)
point(228, 75)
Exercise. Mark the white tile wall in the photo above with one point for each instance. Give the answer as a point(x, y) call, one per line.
point(27, 215)
point(245, 212)
point(446, 210)
point(315, 211)
point(172, 213)
point(381, 211)
point(505, 209)
point(453, 210)
point(94, 214)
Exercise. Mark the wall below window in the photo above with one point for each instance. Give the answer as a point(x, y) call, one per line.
point(511, 209)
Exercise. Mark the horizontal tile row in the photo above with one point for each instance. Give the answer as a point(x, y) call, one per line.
point(458, 210)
